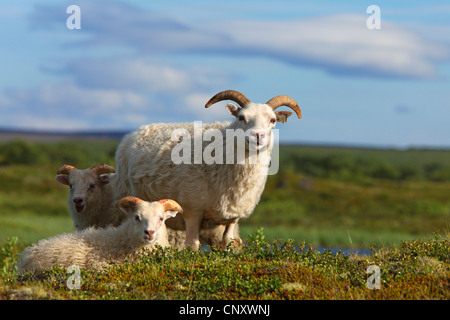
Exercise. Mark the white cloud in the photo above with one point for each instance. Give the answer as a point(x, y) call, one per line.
point(68, 106)
point(339, 44)
point(130, 66)
point(34, 121)
point(195, 103)
point(141, 74)
point(71, 106)
point(342, 45)
point(70, 96)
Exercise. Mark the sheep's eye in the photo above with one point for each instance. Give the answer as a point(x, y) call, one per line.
point(92, 186)
point(137, 218)
point(161, 218)
point(241, 118)
point(70, 186)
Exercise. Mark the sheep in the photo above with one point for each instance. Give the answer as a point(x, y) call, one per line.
point(211, 194)
point(210, 235)
point(97, 248)
point(90, 200)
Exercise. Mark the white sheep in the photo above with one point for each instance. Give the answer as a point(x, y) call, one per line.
point(210, 193)
point(98, 248)
point(90, 200)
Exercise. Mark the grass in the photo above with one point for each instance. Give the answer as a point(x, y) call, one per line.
point(321, 198)
point(261, 270)
point(32, 203)
point(335, 237)
point(322, 212)
point(329, 212)
point(30, 229)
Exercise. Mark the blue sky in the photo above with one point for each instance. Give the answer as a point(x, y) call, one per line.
point(137, 62)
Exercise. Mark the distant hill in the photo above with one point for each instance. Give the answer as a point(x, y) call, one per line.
point(55, 136)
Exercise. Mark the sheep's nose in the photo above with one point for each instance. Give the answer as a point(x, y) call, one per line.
point(259, 134)
point(79, 204)
point(150, 233)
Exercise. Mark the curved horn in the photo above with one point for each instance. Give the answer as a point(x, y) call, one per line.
point(233, 95)
point(170, 204)
point(279, 101)
point(65, 169)
point(129, 202)
point(102, 168)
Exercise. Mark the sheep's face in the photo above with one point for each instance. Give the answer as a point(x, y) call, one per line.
point(257, 121)
point(85, 188)
point(148, 217)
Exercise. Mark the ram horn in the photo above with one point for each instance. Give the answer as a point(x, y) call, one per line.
point(233, 95)
point(128, 202)
point(169, 204)
point(102, 169)
point(65, 169)
point(279, 101)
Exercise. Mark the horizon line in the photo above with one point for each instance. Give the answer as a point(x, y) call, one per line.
point(54, 135)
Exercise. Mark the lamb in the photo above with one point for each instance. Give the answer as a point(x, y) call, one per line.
point(211, 194)
point(97, 248)
point(90, 200)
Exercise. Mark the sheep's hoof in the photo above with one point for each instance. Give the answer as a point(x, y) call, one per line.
point(236, 243)
point(195, 246)
point(232, 244)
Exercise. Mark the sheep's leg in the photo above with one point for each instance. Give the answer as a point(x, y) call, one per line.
point(192, 231)
point(230, 234)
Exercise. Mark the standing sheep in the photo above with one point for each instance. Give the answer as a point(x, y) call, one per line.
point(90, 201)
point(210, 193)
point(97, 248)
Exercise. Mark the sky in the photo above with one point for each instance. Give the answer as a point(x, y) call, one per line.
point(137, 62)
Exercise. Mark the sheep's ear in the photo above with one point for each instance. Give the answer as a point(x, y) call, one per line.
point(233, 109)
point(104, 178)
point(170, 214)
point(129, 205)
point(62, 178)
point(170, 207)
point(283, 115)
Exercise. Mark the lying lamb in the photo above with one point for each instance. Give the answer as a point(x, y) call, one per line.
point(90, 202)
point(97, 248)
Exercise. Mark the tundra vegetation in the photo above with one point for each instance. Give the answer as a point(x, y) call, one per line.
point(395, 203)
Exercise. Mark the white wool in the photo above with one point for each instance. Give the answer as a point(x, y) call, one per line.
point(212, 195)
point(97, 248)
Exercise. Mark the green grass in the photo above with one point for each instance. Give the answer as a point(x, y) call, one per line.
point(261, 270)
point(394, 202)
point(330, 212)
point(32, 203)
point(357, 164)
point(335, 237)
point(30, 229)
